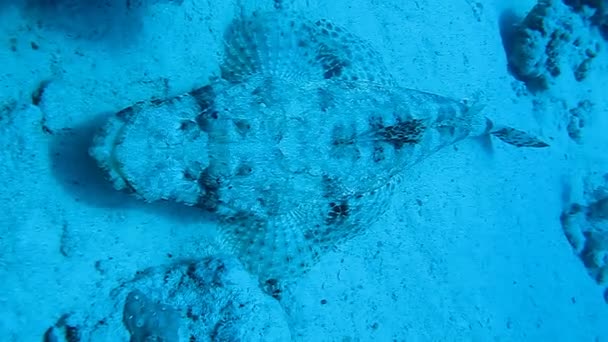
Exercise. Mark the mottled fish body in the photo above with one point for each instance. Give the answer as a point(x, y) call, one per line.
point(294, 147)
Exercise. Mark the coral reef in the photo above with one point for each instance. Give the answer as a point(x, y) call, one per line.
point(578, 117)
point(193, 300)
point(586, 228)
point(552, 40)
point(599, 17)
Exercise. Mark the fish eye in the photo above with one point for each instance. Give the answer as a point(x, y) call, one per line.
point(244, 170)
point(187, 125)
point(189, 175)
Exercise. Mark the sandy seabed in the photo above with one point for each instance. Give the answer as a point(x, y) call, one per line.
point(472, 248)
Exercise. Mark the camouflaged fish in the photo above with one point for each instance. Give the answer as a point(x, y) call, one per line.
point(294, 147)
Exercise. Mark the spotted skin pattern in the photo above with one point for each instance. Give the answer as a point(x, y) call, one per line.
point(295, 147)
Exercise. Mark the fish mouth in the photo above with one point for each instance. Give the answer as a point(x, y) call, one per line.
point(104, 151)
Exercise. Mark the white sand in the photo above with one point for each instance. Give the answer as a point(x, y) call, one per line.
point(472, 248)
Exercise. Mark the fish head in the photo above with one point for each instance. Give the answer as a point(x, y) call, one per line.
point(156, 150)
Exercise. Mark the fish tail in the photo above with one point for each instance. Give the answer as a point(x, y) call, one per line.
point(515, 137)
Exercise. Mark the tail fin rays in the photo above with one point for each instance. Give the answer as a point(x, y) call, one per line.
point(517, 137)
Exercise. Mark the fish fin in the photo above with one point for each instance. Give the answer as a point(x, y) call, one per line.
point(483, 127)
point(280, 248)
point(288, 46)
point(275, 249)
point(485, 141)
point(517, 137)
